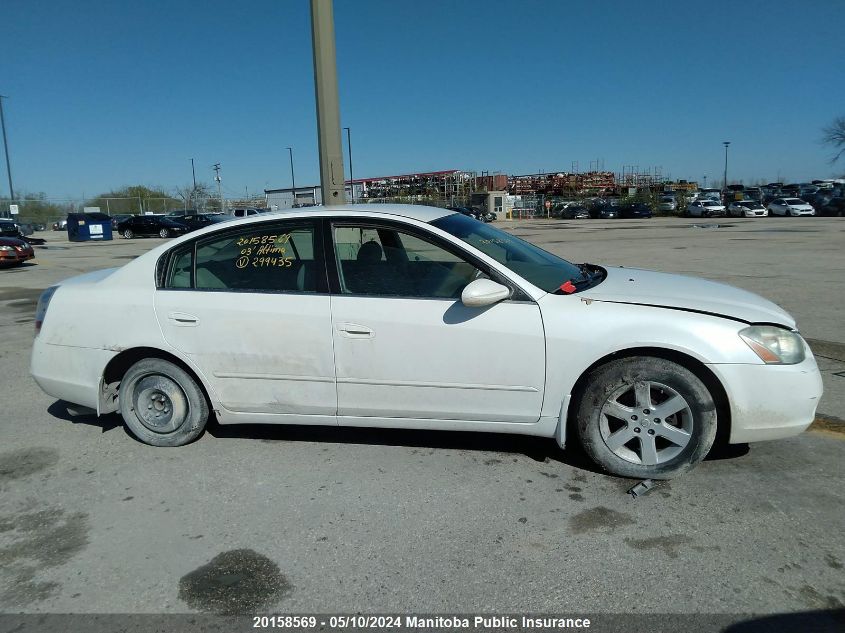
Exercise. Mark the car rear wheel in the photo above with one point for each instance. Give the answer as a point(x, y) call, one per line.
point(164, 233)
point(128, 234)
point(645, 418)
point(162, 404)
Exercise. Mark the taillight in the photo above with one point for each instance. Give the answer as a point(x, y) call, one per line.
point(41, 310)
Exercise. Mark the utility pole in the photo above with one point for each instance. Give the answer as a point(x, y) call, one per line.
point(328, 110)
point(216, 168)
point(349, 148)
point(6, 148)
point(292, 180)
point(725, 184)
point(194, 190)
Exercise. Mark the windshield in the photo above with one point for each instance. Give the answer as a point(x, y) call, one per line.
point(794, 201)
point(546, 271)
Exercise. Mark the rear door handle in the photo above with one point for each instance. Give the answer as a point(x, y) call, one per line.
point(354, 330)
point(183, 319)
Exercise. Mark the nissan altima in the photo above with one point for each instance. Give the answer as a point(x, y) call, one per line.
point(416, 317)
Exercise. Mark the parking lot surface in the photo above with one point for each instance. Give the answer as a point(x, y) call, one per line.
point(325, 519)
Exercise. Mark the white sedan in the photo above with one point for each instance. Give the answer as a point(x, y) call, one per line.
point(705, 208)
point(747, 209)
point(790, 206)
point(416, 317)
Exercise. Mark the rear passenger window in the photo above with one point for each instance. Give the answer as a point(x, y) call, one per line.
point(263, 258)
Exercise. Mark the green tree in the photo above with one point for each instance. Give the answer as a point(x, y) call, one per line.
point(135, 199)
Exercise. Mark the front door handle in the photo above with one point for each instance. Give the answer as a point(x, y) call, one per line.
point(183, 319)
point(354, 330)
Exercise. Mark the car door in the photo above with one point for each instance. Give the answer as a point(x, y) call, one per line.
point(406, 348)
point(249, 306)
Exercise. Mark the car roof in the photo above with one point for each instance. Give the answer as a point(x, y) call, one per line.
point(412, 211)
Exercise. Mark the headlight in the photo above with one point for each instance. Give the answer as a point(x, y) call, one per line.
point(774, 345)
point(6, 248)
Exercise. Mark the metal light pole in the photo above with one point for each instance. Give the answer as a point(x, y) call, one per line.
point(725, 185)
point(705, 181)
point(6, 148)
point(349, 149)
point(292, 179)
point(216, 168)
point(194, 190)
point(328, 109)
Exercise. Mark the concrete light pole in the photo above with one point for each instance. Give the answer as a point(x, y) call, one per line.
point(328, 109)
point(725, 184)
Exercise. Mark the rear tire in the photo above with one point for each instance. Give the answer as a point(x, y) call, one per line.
point(161, 404)
point(128, 234)
point(645, 418)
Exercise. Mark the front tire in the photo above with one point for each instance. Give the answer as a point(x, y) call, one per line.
point(645, 418)
point(161, 404)
point(164, 233)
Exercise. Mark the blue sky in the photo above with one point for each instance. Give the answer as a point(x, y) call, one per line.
point(104, 94)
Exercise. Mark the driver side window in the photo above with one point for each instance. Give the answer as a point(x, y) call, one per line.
point(381, 261)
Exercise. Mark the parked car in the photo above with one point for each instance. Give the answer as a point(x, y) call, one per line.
point(747, 209)
point(248, 212)
point(633, 210)
point(401, 316)
point(600, 210)
point(60, 225)
point(467, 211)
point(10, 228)
point(667, 203)
point(574, 212)
point(118, 218)
point(705, 208)
point(834, 207)
point(790, 206)
point(199, 220)
point(14, 251)
point(139, 225)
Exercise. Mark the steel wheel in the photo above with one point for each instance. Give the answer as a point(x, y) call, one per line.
point(159, 403)
point(646, 423)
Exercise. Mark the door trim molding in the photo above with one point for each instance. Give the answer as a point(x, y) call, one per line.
point(436, 385)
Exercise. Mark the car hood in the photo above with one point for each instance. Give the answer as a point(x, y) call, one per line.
point(13, 241)
point(680, 292)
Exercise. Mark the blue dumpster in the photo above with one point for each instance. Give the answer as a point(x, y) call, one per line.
point(82, 227)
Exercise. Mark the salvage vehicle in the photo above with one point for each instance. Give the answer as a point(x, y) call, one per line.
point(14, 251)
point(747, 209)
point(790, 207)
point(414, 317)
point(139, 225)
point(705, 208)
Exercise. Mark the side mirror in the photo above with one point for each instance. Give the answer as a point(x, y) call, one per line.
point(484, 292)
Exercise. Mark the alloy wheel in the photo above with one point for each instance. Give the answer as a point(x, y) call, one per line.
point(646, 422)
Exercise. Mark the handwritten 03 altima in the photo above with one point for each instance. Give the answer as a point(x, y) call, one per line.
point(414, 317)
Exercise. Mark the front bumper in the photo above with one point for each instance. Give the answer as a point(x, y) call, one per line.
point(770, 402)
point(15, 257)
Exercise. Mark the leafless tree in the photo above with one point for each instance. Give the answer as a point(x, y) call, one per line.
point(834, 134)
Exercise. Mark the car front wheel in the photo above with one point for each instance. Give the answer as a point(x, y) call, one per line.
point(128, 234)
point(164, 233)
point(645, 418)
point(162, 404)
